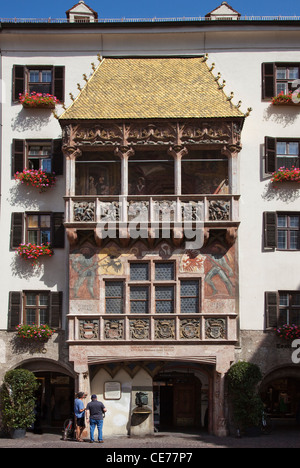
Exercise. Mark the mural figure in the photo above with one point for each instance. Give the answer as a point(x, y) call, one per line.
point(101, 187)
point(141, 187)
point(220, 268)
point(92, 186)
point(85, 265)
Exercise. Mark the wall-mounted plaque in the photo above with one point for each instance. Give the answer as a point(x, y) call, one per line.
point(112, 390)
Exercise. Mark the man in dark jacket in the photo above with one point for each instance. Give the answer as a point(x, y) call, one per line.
point(96, 412)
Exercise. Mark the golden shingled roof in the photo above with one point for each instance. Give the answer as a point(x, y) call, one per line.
point(147, 88)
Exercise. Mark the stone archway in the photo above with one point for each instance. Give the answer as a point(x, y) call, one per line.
point(181, 396)
point(280, 392)
point(55, 397)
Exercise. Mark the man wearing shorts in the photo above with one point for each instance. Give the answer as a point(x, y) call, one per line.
point(79, 411)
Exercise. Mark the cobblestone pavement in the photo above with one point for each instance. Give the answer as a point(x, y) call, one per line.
point(280, 438)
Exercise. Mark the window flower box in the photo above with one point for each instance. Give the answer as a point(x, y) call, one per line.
point(36, 178)
point(38, 100)
point(33, 252)
point(284, 174)
point(288, 332)
point(34, 332)
point(286, 99)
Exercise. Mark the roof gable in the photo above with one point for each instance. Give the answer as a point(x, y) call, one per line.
point(223, 11)
point(81, 9)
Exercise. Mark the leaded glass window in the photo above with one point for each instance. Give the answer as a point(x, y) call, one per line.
point(139, 299)
point(189, 292)
point(139, 271)
point(114, 299)
point(164, 299)
point(164, 271)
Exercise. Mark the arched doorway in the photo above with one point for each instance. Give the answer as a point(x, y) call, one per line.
point(55, 396)
point(180, 397)
point(280, 392)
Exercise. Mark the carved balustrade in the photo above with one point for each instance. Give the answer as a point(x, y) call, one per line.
point(153, 327)
point(83, 211)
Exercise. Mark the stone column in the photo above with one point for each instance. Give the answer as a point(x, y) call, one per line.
point(124, 154)
point(232, 153)
point(219, 420)
point(71, 154)
point(177, 152)
point(82, 383)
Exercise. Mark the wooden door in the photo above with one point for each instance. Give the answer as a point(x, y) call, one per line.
point(184, 405)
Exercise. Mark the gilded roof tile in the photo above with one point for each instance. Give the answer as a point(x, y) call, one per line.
point(147, 88)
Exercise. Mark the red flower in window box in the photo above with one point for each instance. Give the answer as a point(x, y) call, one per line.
point(38, 100)
point(288, 332)
point(33, 252)
point(284, 174)
point(36, 178)
point(34, 332)
point(291, 98)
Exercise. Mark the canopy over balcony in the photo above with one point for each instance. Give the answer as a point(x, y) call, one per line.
point(152, 88)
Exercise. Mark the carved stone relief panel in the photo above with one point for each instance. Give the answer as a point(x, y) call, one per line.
point(89, 329)
point(139, 329)
point(114, 329)
point(219, 210)
point(109, 211)
point(138, 211)
point(190, 329)
point(215, 328)
point(84, 211)
point(164, 329)
point(164, 210)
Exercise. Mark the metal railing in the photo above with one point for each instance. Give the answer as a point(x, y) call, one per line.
point(150, 20)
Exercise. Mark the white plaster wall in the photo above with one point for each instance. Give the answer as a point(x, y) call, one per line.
point(17, 274)
point(117, 418)
point(238, 56)
point(260, 271)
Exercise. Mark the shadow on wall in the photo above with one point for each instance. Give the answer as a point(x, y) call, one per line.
point(30, 119)
point(26, 270)
point(283, 116)
point(286, 192)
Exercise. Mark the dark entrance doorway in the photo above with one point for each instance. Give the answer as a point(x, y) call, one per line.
point(280, 392)
point(282, 398)
point(55, 399)
point(177, 401)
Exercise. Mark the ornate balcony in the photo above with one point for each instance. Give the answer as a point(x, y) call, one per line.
point(153, 327)
point(121, 216)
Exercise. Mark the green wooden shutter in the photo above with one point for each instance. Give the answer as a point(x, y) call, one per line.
point(57, 157)
point(14, 310)
point(268, 80)
point(59, 83)
point(271, 309)
point(270, 229)
point(58, 230)
point(55, 309)
point(18, 156)
point(270, 155)
point(18, 85)
point(17, 230)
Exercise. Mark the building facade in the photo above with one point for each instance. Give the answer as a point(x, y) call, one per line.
point(168, 235)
